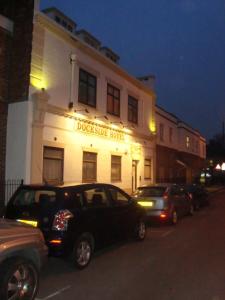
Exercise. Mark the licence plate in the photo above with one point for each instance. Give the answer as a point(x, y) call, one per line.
point(29, 222)
point(145, 203)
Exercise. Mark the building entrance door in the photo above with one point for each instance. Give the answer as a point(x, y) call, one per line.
point(134, 175)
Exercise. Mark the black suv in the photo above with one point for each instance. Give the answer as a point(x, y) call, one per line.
point(76, 219)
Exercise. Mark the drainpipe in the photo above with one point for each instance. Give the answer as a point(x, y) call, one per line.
point(72, 62)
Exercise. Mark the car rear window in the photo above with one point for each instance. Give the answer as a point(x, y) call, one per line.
point(28, 197)
point(150, 192)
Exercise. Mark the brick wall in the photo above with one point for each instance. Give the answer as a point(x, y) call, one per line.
point(15, 61)
point(21, 50)
point(3, 118)
point(5, 45)
point(169, 166)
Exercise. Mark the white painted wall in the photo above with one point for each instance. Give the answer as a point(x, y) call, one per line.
point(57, 72)
point(60, 132)
point(18, 145)
point(168, 121)
point(180, 133)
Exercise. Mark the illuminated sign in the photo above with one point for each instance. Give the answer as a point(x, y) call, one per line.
point(99, 130)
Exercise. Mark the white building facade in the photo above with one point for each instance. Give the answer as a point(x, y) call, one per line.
point(86, 119)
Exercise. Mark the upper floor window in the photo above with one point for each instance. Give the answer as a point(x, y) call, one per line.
point(87, 88)
point(171, 134)
point(132, 110)
point(113, 100)
point(161, 132)
point(188, 142)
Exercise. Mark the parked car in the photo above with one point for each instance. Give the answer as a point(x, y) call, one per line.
point(22, 253)
point(164, 202)
point(77, 219)
point(198, 194)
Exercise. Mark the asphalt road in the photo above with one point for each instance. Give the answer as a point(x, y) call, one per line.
point(185, 262)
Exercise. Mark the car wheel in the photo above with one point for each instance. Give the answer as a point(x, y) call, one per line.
point(140, 230)
point(19, 279)
point(174, 218)
point(82, 251)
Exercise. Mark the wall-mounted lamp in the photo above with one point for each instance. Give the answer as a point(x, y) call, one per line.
point(119, 123)
point(101, 117)
point(130, 126)
point(70, 105)
point(82, 110)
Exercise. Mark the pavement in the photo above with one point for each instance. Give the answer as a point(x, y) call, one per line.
point(215, 188)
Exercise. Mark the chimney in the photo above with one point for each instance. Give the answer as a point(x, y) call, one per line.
point(149, 81)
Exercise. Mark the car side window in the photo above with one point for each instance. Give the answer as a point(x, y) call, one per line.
point(118, 197)
point(73, 199)
point(96, 197)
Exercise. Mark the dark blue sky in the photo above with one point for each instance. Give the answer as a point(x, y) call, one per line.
point(181, 42)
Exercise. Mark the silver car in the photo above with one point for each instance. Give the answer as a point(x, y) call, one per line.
point(22, 253)
point(164, 202)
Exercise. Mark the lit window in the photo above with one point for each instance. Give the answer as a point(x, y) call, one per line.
point(115, 168)
point(53, 165)
point(89, 167)
point(188, 142)
point(147, 169)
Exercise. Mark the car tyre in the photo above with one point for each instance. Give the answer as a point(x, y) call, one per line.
point(174, 218)
point(140, 230)
point(19, 279)
point(82, 251)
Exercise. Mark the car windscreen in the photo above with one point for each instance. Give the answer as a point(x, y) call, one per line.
point(150, 192)
point(30, 197)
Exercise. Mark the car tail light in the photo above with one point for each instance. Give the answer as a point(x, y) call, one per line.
point(61, 219)
point(163, 215)
point(165, 196)
point(55, 242)
point(190, 196)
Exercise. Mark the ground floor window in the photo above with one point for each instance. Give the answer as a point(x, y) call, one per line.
point(53, 159)
point(89, 167)
point(115, 168)
point(147, 168)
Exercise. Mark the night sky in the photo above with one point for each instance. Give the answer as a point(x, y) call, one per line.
point(181, 42)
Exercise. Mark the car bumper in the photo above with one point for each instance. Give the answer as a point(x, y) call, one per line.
point(57, 243)
point(158, 215)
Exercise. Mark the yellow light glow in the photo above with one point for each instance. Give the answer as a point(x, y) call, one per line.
point(81, 116)
point(152, 127)
point(99, 122)
point(38, 82)
point(145, 203)
point(29, 222)
point(114, 126)
point(127, 130)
